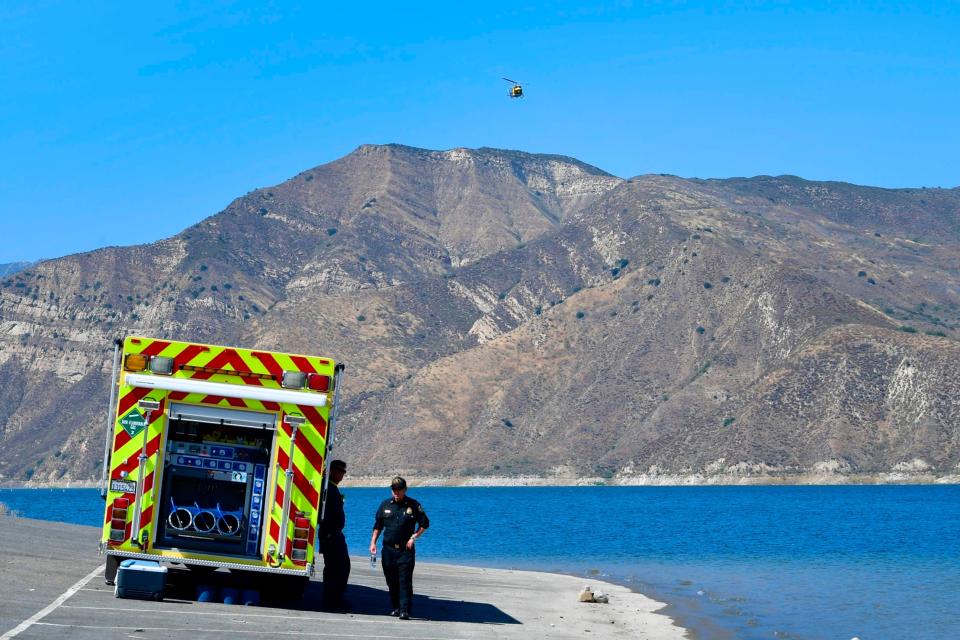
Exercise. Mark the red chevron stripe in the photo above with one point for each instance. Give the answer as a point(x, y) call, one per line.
point(133, 397)
point(303, 364)
point(279, 493)
point(306, 488)
point(307, 449)
point(153, 446)
point(131, 463)
point(233, 402)
point(146, 516)
point(178, 395)
point(274, 525)
point(269, 405)
point(126, 467)
point(187, 355)
point(270, 363)
point(299, 479)
point(122, 438)
point(300, 482)
point(231, 358)
point(274, 530)
point(155, 347)
point(313, 417)
point(148, 483)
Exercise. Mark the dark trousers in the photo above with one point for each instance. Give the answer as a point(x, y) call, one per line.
point(336, 568)
point(398, 570)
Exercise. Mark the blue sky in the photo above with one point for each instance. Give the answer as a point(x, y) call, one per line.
point(122, 123)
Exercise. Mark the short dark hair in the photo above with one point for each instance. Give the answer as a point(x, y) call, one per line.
point(398, 483)
point(338, 464)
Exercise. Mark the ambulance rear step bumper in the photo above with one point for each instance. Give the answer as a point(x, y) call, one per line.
point(306, 571)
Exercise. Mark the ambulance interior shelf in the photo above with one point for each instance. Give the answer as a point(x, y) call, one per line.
point(213, 487)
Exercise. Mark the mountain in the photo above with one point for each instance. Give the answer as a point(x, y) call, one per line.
point(9, 268)
point(511, 314)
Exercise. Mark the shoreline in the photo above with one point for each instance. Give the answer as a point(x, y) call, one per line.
point(658, 606)
point(666, 606)
point(453, 600)
point(643, 480)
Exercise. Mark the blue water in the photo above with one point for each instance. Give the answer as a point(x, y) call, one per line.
point(876, 562)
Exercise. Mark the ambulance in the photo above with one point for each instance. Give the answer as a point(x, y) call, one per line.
point(217, 457)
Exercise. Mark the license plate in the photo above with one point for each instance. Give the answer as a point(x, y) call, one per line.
point(123, 486)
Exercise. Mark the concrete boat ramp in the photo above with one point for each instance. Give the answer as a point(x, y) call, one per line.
point(52, 587)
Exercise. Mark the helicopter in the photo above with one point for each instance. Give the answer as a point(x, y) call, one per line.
point(516, 91)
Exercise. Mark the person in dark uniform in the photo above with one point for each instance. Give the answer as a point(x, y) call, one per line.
point(402, 520)
point(336, 561)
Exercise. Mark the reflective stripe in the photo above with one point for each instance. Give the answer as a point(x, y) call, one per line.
point(180, 559)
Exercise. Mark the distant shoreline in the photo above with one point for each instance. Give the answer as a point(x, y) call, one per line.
point(657, 480)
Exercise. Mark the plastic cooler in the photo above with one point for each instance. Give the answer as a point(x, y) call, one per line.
point(141, 579)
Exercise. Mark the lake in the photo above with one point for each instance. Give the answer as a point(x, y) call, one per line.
point(875, 562)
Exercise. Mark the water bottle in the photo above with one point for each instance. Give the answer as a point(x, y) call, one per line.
point(373, 561)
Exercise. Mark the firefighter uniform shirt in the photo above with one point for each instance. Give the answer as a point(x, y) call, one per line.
point(334, 518)
point(398, 521)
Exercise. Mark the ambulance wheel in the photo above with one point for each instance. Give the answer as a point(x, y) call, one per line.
point(110, 570)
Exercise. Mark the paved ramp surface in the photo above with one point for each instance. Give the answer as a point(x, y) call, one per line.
point(52, 587)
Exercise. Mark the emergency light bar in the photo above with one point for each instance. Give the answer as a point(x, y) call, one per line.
point(226, 390)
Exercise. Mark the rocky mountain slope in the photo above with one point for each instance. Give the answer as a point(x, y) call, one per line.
point(506, 314)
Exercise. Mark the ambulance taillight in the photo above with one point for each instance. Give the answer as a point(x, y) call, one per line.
point(301, 534)
point(118, 520)
point(317, 382)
